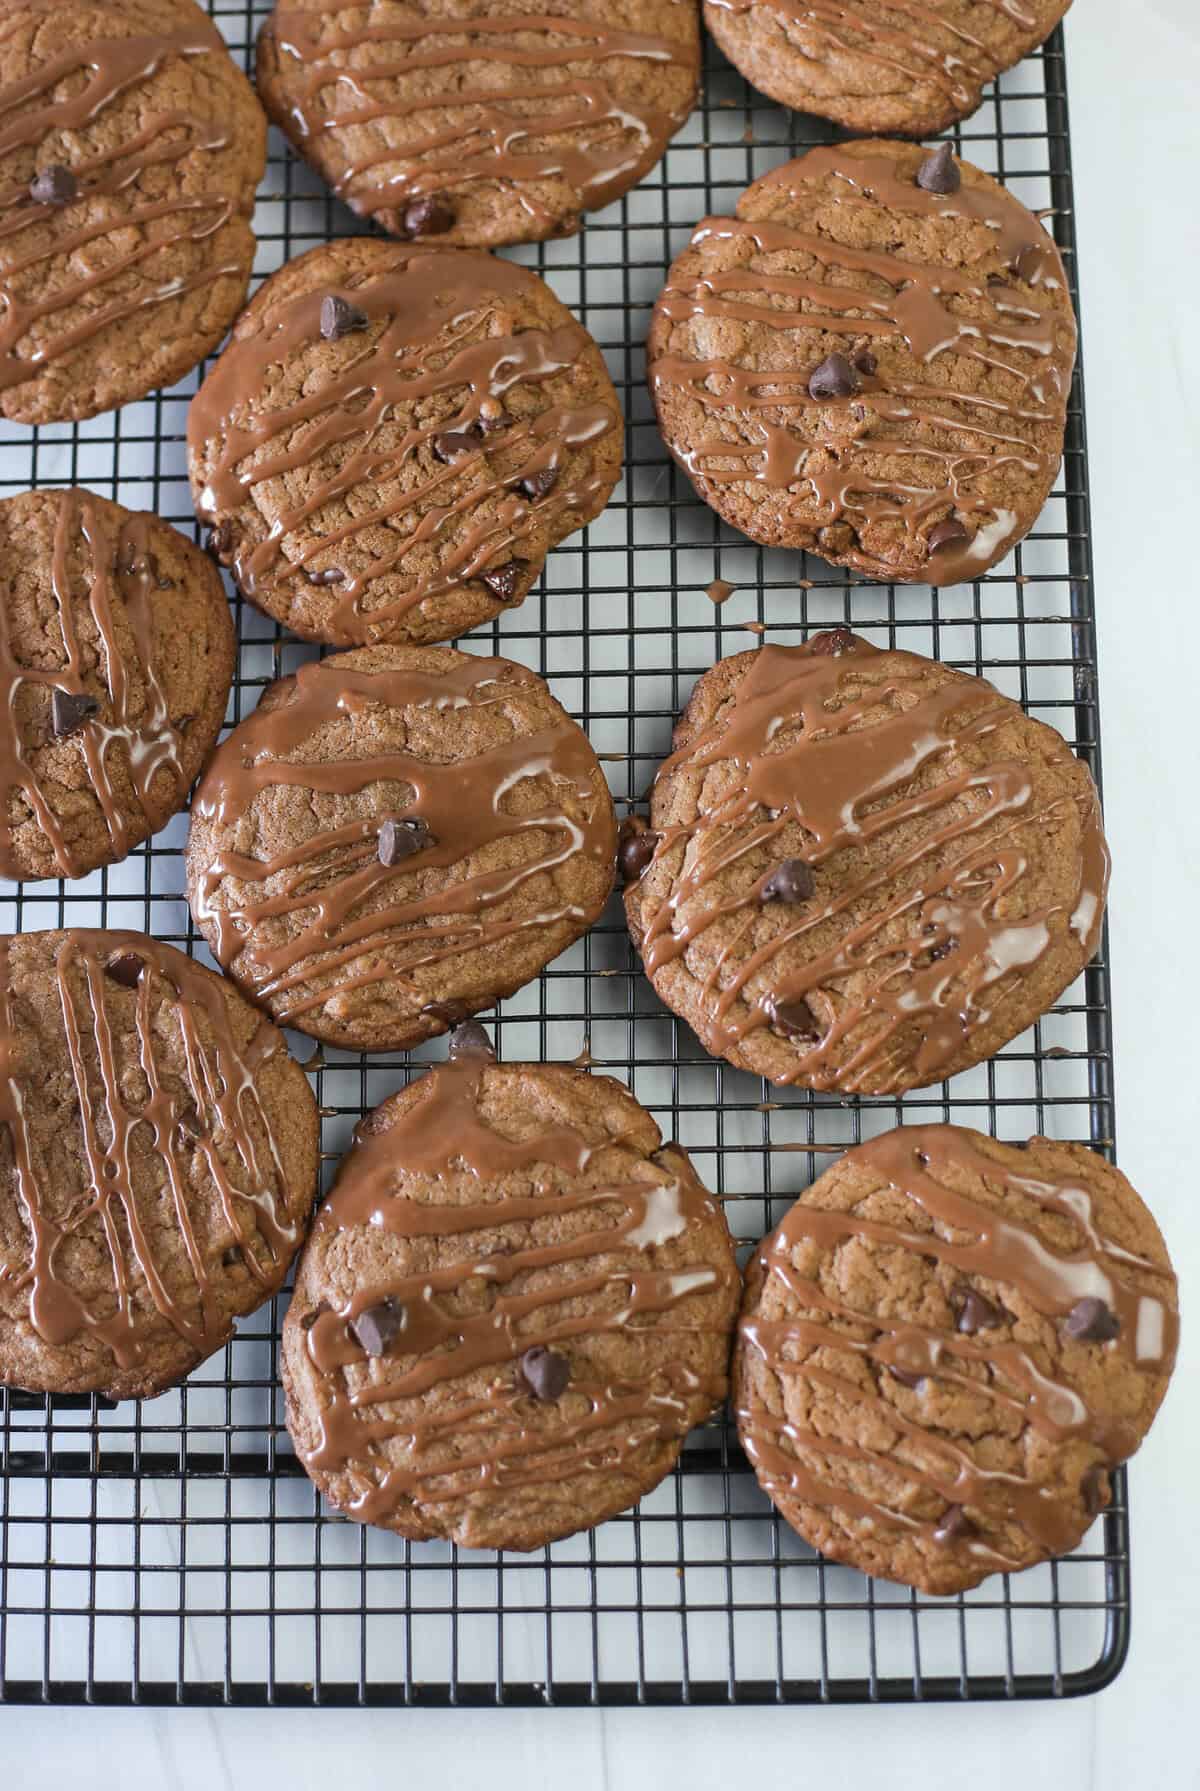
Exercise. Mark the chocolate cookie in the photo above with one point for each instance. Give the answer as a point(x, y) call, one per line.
point(129, 156)
point(879, 65)
point(514, 1306)
point(396, 437)
point(395, 838)
point(473, 121)
point(158, 1160)
point(945, 1348)
point(867, 871)
point(116, 658)
point(870, 361)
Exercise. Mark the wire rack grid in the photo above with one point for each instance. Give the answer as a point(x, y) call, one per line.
point(173, 1552)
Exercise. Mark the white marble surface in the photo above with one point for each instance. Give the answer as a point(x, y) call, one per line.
point(1133, 71)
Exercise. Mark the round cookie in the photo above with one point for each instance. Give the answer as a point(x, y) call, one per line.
point(396, 436)
point(514, 1306)
point(129, 157)
point(879, 65)
point(116, 659)
point(397, 837)
point(944, 1349)
point(158, 1165)
point(472, 120)
point(870, 361)
point(864, 871)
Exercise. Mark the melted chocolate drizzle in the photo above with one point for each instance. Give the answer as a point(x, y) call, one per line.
point(769, 431)
point(910, 52)
point(847, 785)
point(429, 341)
point(606, 142)
point(596, 1426)
point(52, 100)
point(337, 875)
point(134, 724)
point(218, 1106)
point(921, 1162)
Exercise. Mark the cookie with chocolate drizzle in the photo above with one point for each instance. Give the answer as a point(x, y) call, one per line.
point(870, 361)
point(396, 436)
point(474, 121)
point(116, 659)
point(158, 1161)
point(130, 150)
point(869, 871)
point(909, 66)
point(945, 1349)
point(397, 837)
point(514, 1306)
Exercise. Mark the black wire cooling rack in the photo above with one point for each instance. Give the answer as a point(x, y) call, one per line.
point(172, 1552)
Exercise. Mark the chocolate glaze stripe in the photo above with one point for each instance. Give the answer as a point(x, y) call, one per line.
point(441, 1130)
point(111, 66)
point(427, 321)
point(220, 1099)
point(920, 308)
point(599, 162)
point(840, 793)
point(908, 53)
point(120, 570)
point(917, 1162)
point(459, 808)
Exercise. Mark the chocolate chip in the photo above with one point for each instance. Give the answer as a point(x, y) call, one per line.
point(428, 217)
point(401, 839)
point(332, 575)
point(791, 881)
point(939, 172)
point(545, 1372)
point(834, 378)
point(904, 1377)
point(955, 1526)
point(1092, 1321)
point(502, 581)
point(945, 533)
point(340, 318)
point(69, 710)
point(125, 969)
point(489, 425)
point(793, 1019)
point(450, 1013)
point(231, 1256)
point(536, 485)
point(377, 1328)
point(1028, 264)
point(635, 848)
point(831, 643)
point(943, 950)
point(310, 1318)
point(448, 444)
point(470, 1040)
point(865, 362)
point(189, 1121)
point(54, 186)
point(1094, 1491)
point(220, 539)
point(977, 1312)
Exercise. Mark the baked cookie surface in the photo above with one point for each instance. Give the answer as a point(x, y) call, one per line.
point(867, 367)
point(515, 1304)
point(475, 120)
point(946, 1346)
point(116, 659)
point(129, 157)
point(395, 438)
point(865, 871)
point(394, 839)
point(907, 66)
point(158, 1164)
